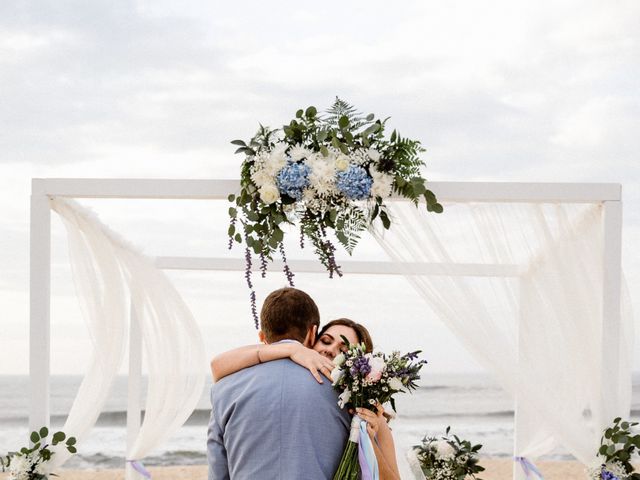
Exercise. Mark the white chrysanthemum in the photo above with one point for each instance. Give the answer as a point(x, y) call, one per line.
point(19, 465)
point(444, 449)
point(373, 154)
point(269, 193)
point(342, 162)
point(276, 161)
point(299, 152)
point(322, 175)
point(382, 184)
point(262, 177)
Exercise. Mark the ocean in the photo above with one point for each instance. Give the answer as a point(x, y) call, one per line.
point(472, 404)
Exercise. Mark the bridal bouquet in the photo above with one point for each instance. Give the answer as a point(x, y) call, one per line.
point(617, 447)
point(447, 458)
point(33, 463)
point(328, 172)
point(364, 380)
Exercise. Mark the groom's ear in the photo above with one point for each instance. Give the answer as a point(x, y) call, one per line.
point(262, 337)
point(310, 339)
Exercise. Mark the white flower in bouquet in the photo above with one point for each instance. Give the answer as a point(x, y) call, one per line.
point(20, 467)
point(336, 375)
point(395, 384)
point(444, 449)
point(269, 193)
point(344, 397)
point(339, 359)
point(342, 162)
point(373, 154)
point(298, 152)
point(382, 184)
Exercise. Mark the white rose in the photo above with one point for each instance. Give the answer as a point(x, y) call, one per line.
point(339, 360)
point(395, 384)
point(336, 375)
point(342, 163)
point(444, 449)
point(373, 154)
point(269, 193)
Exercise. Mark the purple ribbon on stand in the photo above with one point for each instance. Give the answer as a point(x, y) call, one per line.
point(528, 467)
point(366, 455)
point(138, 467)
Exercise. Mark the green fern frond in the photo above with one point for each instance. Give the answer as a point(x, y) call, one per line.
point(350, 224)
point(340, 109)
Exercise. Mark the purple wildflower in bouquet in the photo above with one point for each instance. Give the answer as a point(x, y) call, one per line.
point(365, 380)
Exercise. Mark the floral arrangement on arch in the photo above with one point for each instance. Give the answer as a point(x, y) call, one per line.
point(447, 458)
point(329, 173)
point(618, 445)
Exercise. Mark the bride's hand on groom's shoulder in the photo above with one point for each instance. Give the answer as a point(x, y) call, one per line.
point(313, 361)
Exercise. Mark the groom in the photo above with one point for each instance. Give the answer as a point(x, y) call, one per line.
point(274, 421)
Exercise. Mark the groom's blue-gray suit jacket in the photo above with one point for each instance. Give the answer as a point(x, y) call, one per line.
point(273, 421)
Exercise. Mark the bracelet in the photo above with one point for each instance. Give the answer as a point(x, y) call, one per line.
point(258, 353)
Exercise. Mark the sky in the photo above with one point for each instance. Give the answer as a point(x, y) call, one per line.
point(542, 91)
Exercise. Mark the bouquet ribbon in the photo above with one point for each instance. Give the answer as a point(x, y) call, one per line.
point(528, 467)
point(366, 455)
point(138, 467)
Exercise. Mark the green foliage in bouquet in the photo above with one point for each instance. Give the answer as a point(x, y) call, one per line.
point(448, 458)
point(328, 173)
point(618, 446)
point(32, 463)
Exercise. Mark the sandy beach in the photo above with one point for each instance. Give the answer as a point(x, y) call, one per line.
point(496, 469)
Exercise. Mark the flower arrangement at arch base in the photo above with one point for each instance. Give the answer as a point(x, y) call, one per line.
point(446, 458)
point(366, 380)
point(618, 445)
point(329, 173)
point(33, 463)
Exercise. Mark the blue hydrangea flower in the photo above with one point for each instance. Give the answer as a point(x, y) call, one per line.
point(355, 183)
point(293, 179)
point(607, 475)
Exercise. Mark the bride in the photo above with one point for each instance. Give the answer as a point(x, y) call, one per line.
point(319, 360)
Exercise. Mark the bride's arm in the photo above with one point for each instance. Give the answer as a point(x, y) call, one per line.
point(234, 360)
point(383, 444)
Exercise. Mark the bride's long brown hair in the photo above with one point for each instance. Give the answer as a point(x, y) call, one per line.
point(361, 332)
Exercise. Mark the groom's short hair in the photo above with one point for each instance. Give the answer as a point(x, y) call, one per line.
point(288, 313)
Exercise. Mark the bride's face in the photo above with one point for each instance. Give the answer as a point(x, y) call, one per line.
point(330, 343)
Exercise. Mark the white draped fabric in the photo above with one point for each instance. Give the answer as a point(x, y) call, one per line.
point(109, 273)
point(538, 331)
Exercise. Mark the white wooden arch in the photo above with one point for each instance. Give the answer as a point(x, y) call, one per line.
point(608, 195)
